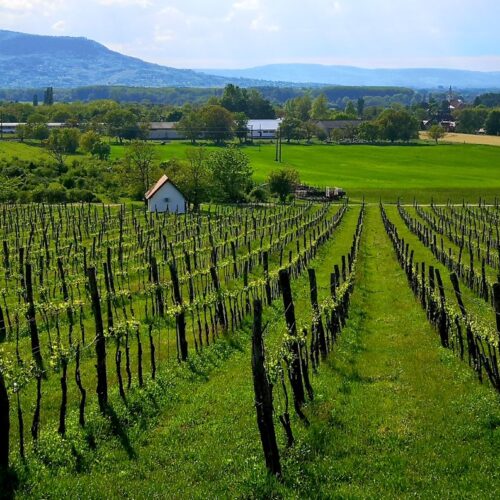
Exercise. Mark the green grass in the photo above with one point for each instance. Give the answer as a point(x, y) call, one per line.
point(28, 151)
point(421, 170)
point(454, 171)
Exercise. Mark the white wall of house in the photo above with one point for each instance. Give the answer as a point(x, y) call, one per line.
point(167, 198)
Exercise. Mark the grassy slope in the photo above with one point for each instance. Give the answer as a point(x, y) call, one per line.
point(394, 416)
point(425, 171)
point(26, 151)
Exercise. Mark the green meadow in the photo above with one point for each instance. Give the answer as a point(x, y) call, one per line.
point(422, 170)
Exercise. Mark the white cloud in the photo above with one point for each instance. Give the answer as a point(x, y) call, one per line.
point(29, 5)
point(127, 3)
point(247, 5)
point(239, 33)
point(261, 24)
point(60, 26)
point(164, 35)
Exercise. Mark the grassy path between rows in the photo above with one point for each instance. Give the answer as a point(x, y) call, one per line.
point(395, 416)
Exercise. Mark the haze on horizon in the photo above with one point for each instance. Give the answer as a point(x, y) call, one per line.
point(244, 33)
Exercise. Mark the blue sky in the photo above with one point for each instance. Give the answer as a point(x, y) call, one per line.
point(243, 33)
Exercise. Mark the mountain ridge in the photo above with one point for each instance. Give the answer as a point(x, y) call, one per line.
point(67, 62)
point(34, 61)
point(352, 75)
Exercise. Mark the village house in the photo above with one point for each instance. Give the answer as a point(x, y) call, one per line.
point(165, 196)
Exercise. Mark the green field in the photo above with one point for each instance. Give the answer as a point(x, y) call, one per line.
point(394, 415)
point(423, 170)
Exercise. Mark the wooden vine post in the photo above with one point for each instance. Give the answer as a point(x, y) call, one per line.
point(294, 368)
point(4, 428)
point(100, 341)
point(30, 316)
point(263, 396)
point(496, 302)
point(180, 318)
point(317, 322)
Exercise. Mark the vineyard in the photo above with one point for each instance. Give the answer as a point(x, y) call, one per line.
point(136, 348)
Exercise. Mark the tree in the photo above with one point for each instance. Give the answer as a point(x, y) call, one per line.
point(369, 131)
point(319, 108)
point(360, 107)
point(140, 160)
point(290, 128)
point(193, 178)
point(350, 110)
point(231, 174)
point(22, 132)
point(309, 130)
point(493, 122)
point(283, 182)
point(122, 124)
point(10, 187)
point(436, 132)
point(91, 142)
point(398, 125)
point(88, 140)
point(101, 150)
point(218, 123)
point(258, 106)
point(299, 108)
point(191, 125)
point(48, 96)
point(38, 131)
point(36, 118)
point(235, 99)
point(61, 143)
point(470, 120)
point(241, 126)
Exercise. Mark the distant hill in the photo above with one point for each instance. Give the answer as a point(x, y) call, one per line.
point(420, 78)
point(69, 62)
point(35, 61)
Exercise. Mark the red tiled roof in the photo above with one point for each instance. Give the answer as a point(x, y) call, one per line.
point(163, 180)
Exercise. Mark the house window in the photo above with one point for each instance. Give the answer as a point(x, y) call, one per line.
point(167, 200)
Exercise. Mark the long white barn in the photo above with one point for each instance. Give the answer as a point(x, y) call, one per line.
point(164, 196)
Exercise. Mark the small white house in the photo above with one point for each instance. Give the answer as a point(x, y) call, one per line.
point(166, 197)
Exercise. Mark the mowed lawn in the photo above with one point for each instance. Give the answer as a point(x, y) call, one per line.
point(423, 170)
point(445, 171)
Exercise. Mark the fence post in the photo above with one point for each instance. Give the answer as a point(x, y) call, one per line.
point(263, 396)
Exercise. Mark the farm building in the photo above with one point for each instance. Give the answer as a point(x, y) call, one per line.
point(263, 129)
point(164, 131)
point(164, 196)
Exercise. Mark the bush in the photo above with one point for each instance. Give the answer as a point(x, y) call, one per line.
point(82, 195)
point(53, 193)
point(258, 195)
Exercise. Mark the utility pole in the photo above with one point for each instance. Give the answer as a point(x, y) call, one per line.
point(278, 146)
